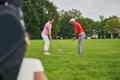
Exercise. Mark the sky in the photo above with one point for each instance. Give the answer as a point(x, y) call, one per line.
point(90, 8)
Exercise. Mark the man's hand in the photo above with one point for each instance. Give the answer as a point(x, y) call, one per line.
point(74, 38)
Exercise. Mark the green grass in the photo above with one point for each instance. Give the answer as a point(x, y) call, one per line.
point(100, 59)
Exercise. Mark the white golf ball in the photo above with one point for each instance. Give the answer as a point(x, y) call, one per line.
point(60, 50)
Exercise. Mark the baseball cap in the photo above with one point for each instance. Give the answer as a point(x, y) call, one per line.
point(73, 19)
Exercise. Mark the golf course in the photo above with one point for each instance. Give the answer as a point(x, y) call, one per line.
point(100, 59)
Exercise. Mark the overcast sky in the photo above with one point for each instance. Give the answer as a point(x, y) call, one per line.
point(90, 8)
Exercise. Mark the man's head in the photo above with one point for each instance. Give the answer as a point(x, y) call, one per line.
point(72, 20)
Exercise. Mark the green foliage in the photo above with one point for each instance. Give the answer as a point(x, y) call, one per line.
point(112, 25)
point(100, 59)
point(31, 19)
point(37, 13)
point(66, 30)
point(89, 25)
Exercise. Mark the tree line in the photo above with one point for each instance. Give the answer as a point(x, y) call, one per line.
point(37, 13)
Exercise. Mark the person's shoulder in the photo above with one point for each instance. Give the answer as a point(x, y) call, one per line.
point(75, 23)
point(35, 64)
point(48, 24)
point(31, 60)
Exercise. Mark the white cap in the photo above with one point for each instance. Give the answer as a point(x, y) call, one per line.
point(73, 19)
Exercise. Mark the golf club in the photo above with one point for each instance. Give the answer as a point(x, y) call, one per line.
point(68, 44)
point(61, 49)
point(55, 45)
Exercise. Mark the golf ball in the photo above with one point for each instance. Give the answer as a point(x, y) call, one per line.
point(60, 50)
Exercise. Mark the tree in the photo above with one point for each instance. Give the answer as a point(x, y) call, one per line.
point(37, 13)
point(101, 31)
point(31, 19)
point(66, 30)
point(112, 26)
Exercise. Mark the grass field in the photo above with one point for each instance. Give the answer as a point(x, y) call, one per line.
point(100, 59)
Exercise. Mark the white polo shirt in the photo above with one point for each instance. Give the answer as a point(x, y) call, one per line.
point(28, 67)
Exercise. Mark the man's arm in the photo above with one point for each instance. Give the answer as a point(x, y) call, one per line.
point(75, 32)
point(39, 76)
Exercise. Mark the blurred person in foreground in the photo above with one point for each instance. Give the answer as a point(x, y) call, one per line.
point(13, 43)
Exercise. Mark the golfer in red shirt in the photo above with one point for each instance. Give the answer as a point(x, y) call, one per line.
point(78, 31)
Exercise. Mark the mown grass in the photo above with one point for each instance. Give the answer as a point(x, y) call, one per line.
point(100, 59)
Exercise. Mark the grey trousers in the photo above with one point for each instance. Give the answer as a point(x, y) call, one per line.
point(80, 41)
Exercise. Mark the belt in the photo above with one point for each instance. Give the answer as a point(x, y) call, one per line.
point(81, 33)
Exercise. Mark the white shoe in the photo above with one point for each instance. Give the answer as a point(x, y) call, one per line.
point(46, 53)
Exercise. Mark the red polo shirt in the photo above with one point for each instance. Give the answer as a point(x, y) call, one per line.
point(78, 27)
